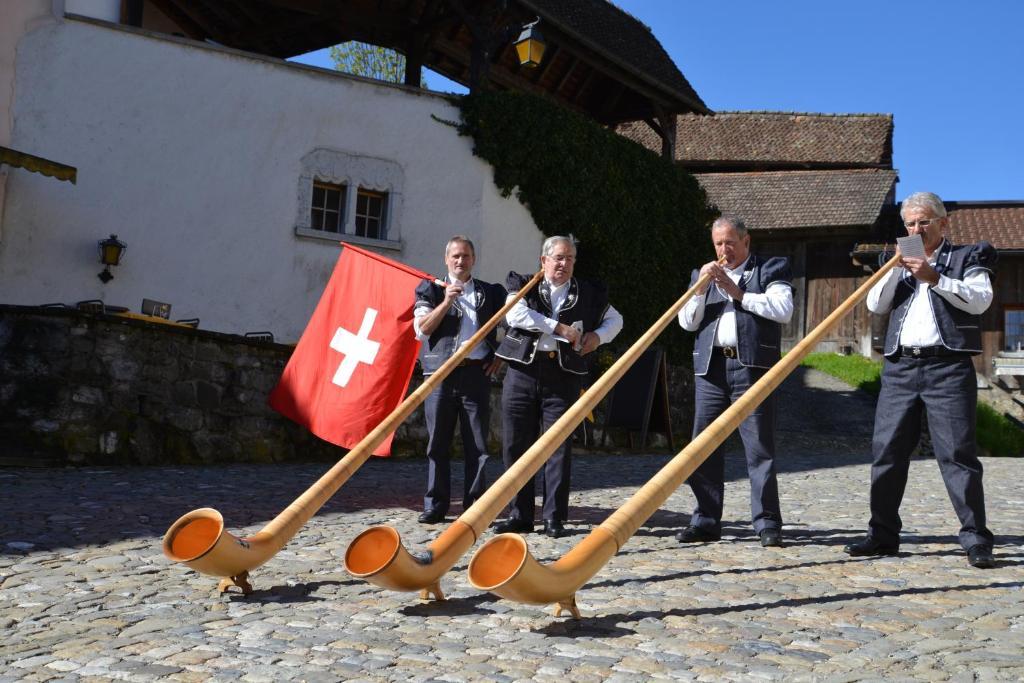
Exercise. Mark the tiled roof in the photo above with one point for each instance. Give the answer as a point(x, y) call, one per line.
point(783, 138)
point(769, 200)
point(1001, 223)
point(621, 37)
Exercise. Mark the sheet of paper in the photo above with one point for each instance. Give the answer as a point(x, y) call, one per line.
point(912, 246)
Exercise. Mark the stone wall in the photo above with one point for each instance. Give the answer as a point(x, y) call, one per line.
point(78, 388)
point(98, 389)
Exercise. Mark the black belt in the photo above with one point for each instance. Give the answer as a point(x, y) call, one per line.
point(472, 361)
point(927, 351)
point(727, 351)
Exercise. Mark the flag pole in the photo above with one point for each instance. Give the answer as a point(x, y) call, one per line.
point(198, 539)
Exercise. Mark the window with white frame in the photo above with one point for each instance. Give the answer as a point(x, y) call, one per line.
point(351, 198)
point(1014, 328)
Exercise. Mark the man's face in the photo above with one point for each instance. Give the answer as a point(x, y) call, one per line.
point(459, 260)
point(558, 266)
point(921, 221)
point(729, 244)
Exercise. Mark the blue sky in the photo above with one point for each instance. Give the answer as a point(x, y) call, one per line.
point(951, 72)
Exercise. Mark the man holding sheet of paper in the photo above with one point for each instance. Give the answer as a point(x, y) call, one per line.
point(935, 299)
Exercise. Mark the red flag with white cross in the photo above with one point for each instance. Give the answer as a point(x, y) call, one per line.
point(352, 366)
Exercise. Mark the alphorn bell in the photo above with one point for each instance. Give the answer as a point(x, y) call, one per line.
point(199, 540)
point(504, 565)
point(378, 555)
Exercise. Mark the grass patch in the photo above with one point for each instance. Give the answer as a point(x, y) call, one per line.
point(998, 435)
point(857, 371)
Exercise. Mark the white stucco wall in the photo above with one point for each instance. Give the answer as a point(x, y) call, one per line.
point(192, 156)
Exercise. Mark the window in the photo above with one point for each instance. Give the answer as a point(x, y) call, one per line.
point(1014, 328)
point(346, 197)
point(328, 207)
point(371, 209)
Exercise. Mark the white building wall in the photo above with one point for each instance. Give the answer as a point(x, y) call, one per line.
point(193, 155)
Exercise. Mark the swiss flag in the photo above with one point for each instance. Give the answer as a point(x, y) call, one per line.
point(352, 366)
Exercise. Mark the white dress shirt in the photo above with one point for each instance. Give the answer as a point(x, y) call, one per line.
point(776, 303)
point(525, 318)
point(467, 302)
point(973, 294)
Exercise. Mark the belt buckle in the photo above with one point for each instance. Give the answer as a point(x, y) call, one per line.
point(915, 351)
point(552, 355)
point(729, 351)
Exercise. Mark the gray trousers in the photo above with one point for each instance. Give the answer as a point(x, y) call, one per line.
point(945, 387)
point(725, 381)
point(533, 397)
point(464, 396)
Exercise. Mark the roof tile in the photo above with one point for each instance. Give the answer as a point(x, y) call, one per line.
point(1001, 223)
point(771, 200)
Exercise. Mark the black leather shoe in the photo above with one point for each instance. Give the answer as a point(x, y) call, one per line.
point(513, 526)
point(771, 538)
point(553, 528)
point(693, 534)
point(870, 547)
point(431, 517)
point(980, 556)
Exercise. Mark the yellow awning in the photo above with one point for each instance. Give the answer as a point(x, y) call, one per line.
point(36, 164)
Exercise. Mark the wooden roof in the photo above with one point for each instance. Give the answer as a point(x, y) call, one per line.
point(600, 60)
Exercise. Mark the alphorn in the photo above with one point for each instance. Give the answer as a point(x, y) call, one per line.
point(198, 539)
point(378, 555)
point(504, 565)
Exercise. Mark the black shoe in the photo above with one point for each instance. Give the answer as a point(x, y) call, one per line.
point(870, 547)
point(771, 538)
point(513, 526)
point(694, 534)
point(980, 556)
point(553, 528)
point(431, 517)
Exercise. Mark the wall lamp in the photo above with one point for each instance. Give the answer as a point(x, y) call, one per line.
point(111, 250)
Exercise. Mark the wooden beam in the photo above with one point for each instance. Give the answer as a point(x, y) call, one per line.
point(549, 58)
point(189, 26)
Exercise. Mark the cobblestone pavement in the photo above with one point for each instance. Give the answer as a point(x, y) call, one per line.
point(86, 594)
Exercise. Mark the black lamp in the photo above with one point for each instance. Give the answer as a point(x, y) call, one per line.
point(111, 250)
point(530, 45)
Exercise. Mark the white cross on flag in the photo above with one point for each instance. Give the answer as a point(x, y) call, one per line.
point(352, 366)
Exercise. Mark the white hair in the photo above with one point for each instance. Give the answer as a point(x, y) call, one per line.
point(924, 200)
point(549, 244)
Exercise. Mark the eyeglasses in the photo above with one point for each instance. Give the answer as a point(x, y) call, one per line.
point(923, 223)
point(563, 259)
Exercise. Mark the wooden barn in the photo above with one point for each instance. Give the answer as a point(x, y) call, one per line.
point(808, 186)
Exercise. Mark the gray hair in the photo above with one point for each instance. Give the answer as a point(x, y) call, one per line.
point(456, 239)
point(924, 200)
point(549, 244)
point(734, 222)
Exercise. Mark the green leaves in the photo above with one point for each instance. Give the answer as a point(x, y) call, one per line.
point(372, 61)
point(642, 222)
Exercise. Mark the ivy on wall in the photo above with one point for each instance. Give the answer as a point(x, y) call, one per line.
point(641, 221)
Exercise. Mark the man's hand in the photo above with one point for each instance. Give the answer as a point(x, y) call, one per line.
point(569, 333)
point(492, 368)
point(452, 292)
point(712, 269)
point(921, 269)
point(590, 342)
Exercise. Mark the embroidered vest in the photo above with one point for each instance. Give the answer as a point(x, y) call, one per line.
point(758, 339)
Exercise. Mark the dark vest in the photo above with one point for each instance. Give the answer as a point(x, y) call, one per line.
point(443, 341)
point(586, 301)
point(959, 330)
point(758, 339)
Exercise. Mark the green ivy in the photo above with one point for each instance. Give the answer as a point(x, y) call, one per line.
point(641, 221)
